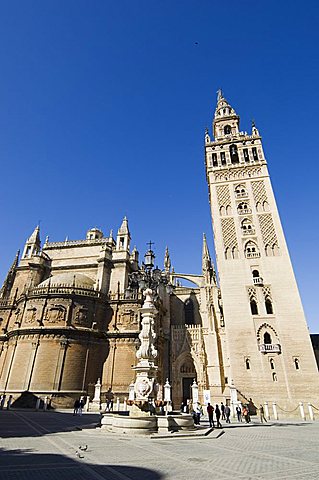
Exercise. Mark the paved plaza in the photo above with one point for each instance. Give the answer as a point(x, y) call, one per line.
point(45, 445)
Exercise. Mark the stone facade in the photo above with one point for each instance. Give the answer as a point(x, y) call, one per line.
point(70, 312)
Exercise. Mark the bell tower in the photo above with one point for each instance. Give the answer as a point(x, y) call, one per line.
point(268, 345)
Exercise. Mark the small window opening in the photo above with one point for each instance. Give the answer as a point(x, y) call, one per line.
point(255, 155)
point(272, 364)
point(255, 274)
point(267, 338)
point(247, 364)
point(223, 158)
point(296, 361)
point(268, 306)
point(274, 376)
point(253, 307)
point(214, 158)
point(227, 129)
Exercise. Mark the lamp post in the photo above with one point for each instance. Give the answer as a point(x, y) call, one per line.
point(148, 279)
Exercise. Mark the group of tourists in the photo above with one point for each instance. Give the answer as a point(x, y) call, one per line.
point(216, 413)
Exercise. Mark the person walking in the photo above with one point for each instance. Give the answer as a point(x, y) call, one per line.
point(222, 409)
point(76, 407)
point(261, 413)
point(227, 413)
point(238, 413)
point(210, 413)
point(81, 405)
point(217, 414)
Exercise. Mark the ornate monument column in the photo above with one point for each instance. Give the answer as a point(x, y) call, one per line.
point(146, 354)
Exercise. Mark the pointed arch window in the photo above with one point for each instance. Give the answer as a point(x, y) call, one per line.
point(251, 250)
point(253, 307)
point(189, 312)
point(233, 150)
point(272, 364)
point(247, 227)
point(240, 191)
point(267, 338)
point(255, 154)
point(247, 363)
point(296, 362)
point(268, 305)
point(243, 208)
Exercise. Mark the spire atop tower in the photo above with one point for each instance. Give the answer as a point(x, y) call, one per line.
point(226, 120)
point(33, 244)
point(124, 230)
point(7, 284)
point(123, 236)
point(167, 261)
point(207, 266)
point(35, 236)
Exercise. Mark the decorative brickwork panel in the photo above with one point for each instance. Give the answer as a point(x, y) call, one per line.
point(267, 292)
point(252, 294)
point(237, 174)
point(223, 196)
point(267, 229)
point(229, 232)
point(259, 191)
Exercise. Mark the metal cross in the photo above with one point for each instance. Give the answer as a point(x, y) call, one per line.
point(150, 244)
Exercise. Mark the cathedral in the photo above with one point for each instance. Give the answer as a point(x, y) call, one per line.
point(70, 311)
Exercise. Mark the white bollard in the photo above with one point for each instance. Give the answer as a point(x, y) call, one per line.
point(302, 411)
point(274, 409)
point(125, 404)
point(266, 410)
point(37, 405)
point(87, 404)
point(310, 410)
point(45, 404)
point(118, 404)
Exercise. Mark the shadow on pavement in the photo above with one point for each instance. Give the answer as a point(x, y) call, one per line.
point(35, 424)
point(37, 466)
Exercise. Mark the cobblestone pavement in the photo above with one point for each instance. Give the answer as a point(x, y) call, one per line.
point(45, 445)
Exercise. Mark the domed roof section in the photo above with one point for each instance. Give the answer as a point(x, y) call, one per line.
point(69, 279)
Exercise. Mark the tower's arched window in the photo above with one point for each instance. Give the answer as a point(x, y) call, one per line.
point(253, 307)
point(267, 338)
point(274, 376)
point(247, 362)
point(268, 306)
point(243, 207)
point(255, 273)
point(227, 129)
point(272, 364)
point(234, 153)
point(240, 191)
point(251, 250)
point(247, 226)
point(296, 362)
point(189, 312)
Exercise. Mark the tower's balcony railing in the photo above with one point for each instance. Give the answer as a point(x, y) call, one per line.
point(252, 254)
point(250, 231)
point(244, 211)
point(270, 348)
point(258, 281)
point(241, 194)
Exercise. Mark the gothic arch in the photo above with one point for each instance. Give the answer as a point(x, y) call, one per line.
point(266, 327)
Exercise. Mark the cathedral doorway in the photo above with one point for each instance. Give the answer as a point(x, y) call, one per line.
point(187, 389)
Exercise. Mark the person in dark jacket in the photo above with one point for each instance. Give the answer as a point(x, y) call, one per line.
point(217, 414)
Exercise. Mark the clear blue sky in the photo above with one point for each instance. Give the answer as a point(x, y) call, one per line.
point(103, 107)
